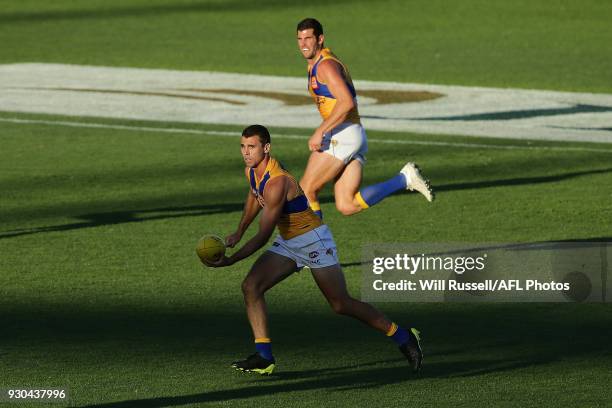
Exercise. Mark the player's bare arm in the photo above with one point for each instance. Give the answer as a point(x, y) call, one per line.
point(275, 197)
point(330, 73)
point(250, 211)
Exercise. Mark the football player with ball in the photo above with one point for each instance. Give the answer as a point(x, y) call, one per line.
point(303, 240)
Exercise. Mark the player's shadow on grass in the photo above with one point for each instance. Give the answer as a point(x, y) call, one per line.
point(131, 216)
point(508, 115)
point(488, 345)
point(518, 181)
point(334, 379)
point(462, 341)
point(400, 371)
point(122, 217)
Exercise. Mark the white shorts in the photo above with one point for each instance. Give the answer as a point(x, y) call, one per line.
point(347, 141)
point(315, 248)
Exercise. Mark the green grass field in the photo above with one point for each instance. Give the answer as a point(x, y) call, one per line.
point(561, 45)
point(102, 291)
point(100, 288)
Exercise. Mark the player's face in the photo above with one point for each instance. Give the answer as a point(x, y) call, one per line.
point(308, 43)
point(253, 151)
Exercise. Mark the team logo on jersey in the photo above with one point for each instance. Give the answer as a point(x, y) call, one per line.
point(259, 198)
point(313, 82)
point(320, 100)
point(330, 252)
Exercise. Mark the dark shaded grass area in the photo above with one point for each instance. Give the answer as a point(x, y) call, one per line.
point(150, 214)
point(462, 341)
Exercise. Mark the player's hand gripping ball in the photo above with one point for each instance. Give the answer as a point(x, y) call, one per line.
point(210, 248)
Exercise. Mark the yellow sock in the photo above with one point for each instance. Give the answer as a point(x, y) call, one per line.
point(361, 201)
point(392, 329)
point(316, 208)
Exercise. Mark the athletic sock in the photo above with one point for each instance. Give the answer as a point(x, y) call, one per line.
point(370, 195)
point(398, 334)
point(316, 208)
point(263, 345)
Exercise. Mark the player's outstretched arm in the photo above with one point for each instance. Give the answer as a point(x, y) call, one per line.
point(275, 196)
point(250, 211)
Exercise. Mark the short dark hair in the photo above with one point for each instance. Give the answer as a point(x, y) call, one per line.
point(257, 130)
point(313, 23)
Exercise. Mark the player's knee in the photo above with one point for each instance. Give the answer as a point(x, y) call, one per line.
point(346, 207)
point(341, 306)
point(311, 186)
point(250, 289)
point(308, 188)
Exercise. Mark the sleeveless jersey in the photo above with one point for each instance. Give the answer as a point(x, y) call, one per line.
point(297, 218)
point(323, 97)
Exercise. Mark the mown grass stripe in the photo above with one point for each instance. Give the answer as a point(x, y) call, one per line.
point(300, 137)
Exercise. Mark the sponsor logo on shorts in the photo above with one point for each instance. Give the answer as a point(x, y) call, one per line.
point(313, 254)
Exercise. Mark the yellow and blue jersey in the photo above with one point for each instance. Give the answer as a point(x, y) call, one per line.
point(323, 97)
point(297, 218)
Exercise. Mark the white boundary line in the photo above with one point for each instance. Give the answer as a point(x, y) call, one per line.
point(299, 137)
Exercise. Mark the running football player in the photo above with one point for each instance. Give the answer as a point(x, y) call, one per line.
point(339, 144)
point(303, 240)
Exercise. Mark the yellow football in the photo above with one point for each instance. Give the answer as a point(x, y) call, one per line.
point(210, 248)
